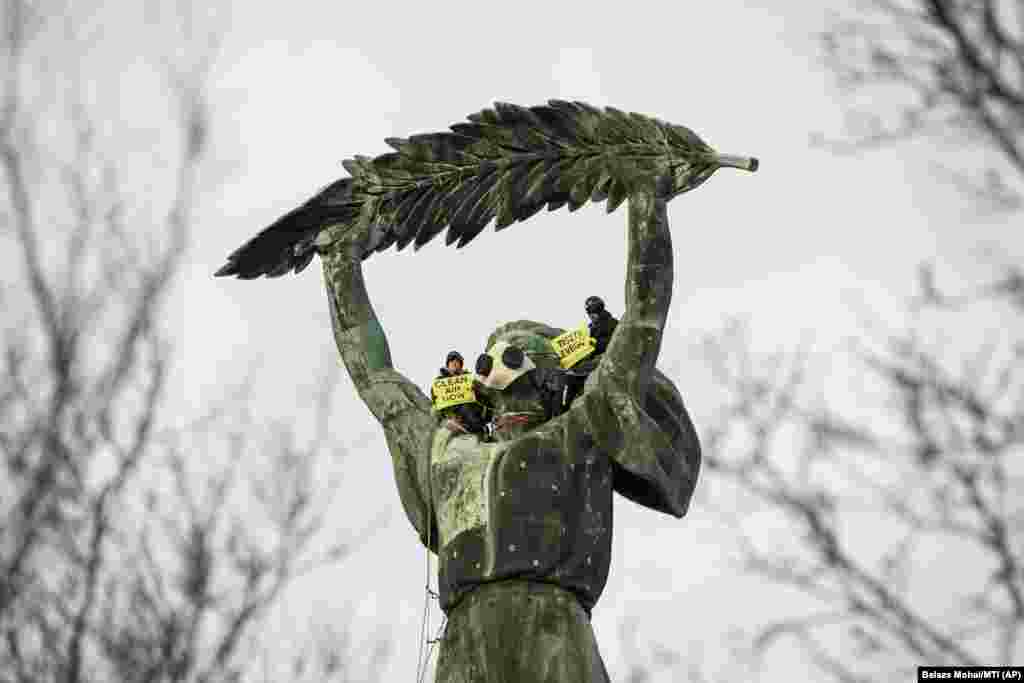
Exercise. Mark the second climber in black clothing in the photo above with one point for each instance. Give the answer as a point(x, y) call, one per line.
point(602, 323)
point(602, 327)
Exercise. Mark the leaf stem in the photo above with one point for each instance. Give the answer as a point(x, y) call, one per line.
point(733, 161)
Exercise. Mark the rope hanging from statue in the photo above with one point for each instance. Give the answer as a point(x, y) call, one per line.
point(423, 660)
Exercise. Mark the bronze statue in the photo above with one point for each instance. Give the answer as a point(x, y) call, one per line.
point(522, 523)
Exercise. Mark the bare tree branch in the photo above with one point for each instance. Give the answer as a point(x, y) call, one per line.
point(133, 546)
point(936, 466)
point(958, 66)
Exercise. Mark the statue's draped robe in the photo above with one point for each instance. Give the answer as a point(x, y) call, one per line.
point(522, 528)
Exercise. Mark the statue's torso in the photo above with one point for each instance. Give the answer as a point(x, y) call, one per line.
point(537, 508)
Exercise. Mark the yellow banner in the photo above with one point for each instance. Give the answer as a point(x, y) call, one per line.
point(573, 346)
point(453, 391)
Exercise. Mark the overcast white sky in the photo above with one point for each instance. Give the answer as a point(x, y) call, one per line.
point(792, 245)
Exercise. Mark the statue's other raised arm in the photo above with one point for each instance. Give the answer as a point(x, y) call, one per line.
point(398, 404)
point(633, 349)
point(635, 412)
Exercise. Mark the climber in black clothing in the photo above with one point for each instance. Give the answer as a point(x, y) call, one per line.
point(602, 324)
point(602, 327)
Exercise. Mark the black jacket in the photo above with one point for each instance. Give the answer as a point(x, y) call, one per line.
point(550, 384)
point(602, 329)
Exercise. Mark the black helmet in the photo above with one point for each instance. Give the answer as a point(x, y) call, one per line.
point(594, 304)
point(454, 355)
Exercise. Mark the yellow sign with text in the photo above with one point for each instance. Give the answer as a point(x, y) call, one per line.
point(453, 391)
point(573, 346)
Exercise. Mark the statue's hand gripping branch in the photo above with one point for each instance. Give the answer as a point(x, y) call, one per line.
point(522, 527)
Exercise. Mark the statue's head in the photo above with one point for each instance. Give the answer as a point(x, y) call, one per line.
point(506, 371)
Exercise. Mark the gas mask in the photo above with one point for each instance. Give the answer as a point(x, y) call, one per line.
point(501, 365)
point(518, 405)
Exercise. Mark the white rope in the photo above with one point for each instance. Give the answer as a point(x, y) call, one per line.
point(423, 662)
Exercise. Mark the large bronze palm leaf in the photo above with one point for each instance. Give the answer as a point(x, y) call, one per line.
point(505, 163)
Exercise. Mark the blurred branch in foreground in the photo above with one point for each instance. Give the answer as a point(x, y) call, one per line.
point(897, 509)
point(954, 68)
point(332, 654)
point(131, 549)
point(663, 661)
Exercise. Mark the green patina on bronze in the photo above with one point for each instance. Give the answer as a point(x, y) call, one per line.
point(378, 354)
point(522, 528)
point(460, 465)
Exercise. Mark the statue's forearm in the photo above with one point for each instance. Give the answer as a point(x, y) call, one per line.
point(398, 404)
point(633, 350)
point(357, 331)
point(364, 348)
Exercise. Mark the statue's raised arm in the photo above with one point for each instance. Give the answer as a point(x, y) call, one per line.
point(636, 413)
point(398, 405)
